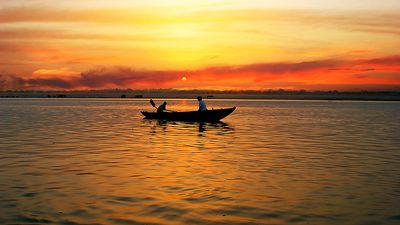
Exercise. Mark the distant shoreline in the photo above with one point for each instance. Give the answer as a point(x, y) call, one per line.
point(208, 94)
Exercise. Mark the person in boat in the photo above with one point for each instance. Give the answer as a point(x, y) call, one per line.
point(202, 104)
point(162, 108)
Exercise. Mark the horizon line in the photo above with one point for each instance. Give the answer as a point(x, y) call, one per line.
point(205, 90)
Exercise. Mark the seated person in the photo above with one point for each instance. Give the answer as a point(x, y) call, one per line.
point(202, 104)
point(162, 108)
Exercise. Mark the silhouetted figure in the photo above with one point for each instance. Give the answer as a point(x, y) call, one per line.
point(162, 108)
point(202, 104)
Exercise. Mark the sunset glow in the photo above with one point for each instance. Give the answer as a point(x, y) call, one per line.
point(224, 44)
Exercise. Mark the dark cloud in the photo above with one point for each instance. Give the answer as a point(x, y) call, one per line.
point(352, 87)
point(389, 60)
point(50, 82)
point(277, 68)
point(96, 78)
point(123, 77)
point(10, 82)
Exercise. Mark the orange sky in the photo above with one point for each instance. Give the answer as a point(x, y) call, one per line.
point(221, 44)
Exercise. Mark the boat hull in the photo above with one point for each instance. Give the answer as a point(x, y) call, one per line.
point(206, 116)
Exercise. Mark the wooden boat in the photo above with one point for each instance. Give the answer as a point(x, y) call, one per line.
point(213, 115)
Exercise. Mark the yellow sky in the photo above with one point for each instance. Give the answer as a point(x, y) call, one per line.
point(79, 36)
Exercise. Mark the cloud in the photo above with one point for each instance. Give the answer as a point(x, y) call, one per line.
point(10, 82)
point(49, 73)
point(276, 68)
point(58, 83)
point(388, 60)
point(125, 77)
point(47, 35)
point(323, 73)
point(112, 15)
point(365, 21)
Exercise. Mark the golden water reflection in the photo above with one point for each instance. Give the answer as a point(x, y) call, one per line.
point(270, 162)
point(221, 127)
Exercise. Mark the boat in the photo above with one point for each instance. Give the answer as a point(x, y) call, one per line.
point(213, 115)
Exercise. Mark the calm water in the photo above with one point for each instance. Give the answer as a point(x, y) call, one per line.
point(96, 161)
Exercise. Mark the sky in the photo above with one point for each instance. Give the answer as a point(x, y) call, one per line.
point(345, 45)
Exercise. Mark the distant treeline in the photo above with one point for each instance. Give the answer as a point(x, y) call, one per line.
point(173, 93)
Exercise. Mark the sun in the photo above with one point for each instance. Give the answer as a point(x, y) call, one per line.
point(184, 78)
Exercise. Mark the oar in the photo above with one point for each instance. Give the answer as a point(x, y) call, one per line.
point(153, 104)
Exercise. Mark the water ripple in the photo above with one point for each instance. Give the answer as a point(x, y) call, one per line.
point(95, 161)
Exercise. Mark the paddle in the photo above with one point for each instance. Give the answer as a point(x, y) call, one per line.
point(153, 104)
